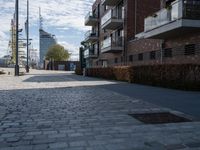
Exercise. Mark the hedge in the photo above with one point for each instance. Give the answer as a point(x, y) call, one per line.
point(185, 77)
point(78, 71)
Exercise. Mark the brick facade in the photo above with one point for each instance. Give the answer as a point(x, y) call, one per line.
point(141, 51)
point(136, 11)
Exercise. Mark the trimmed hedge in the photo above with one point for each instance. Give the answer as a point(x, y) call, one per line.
point(185, 77)
point(2, 72)
point(112, 73)
point(78, 71)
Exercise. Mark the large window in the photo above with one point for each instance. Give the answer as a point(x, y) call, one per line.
point(116, 60)
point(168, 52)
point(152, 55)
point(140, 56)
point(190, 49)
point(131, 58)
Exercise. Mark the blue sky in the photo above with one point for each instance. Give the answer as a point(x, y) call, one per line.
point(64, 18)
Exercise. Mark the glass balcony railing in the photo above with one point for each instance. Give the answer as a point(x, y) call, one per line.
point(90, 15)
point(91, 34)
point(109, 42)
point(86, 53)
point(111, 14)
point(110, 2)
point(90, 52)
point(91, 19)
point(180, 9)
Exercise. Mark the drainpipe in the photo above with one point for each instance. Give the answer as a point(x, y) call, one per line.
point(124, 53)
point(161, 52)
point(135, 16)
point(125, 11)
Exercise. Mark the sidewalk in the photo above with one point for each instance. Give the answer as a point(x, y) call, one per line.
point(59, 111)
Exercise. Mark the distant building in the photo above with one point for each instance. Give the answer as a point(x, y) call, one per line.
point(12, 41)
point(46, 41)
point(33, 57)
point(61, 65)
point(4, 61)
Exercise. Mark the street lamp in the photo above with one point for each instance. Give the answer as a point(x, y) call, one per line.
point(27, 33)
point(17, 23)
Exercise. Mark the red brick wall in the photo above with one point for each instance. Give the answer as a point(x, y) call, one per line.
point(143, 8)
point(143, 45)
point(193, 38)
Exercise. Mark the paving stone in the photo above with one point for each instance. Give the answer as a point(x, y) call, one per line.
point(8, 135)
point(58, 145)
point(193, 144)
point(50, 132)
point(61, 135)
point(34, 133)
point(78, 144)
point(75, 134)
point(175, 147)
point(40, 147)
point(12, 139)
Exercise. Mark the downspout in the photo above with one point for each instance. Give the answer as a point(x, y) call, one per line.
point(125, 34)
point(161, 52)
point(135, 17)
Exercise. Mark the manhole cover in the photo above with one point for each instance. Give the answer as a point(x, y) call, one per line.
point(159, 118)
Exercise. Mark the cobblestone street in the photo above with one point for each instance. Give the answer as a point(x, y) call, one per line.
point(62, 111)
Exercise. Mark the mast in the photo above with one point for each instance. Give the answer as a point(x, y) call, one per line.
point(40, 20)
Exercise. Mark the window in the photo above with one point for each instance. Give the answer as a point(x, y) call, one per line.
point(168, 52)
point(153, 55)
point(190, 49)
point(131, 58)
point(116, 60)
point(140, 56)
point(122, 59)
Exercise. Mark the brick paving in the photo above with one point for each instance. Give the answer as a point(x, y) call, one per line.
point(57, 111)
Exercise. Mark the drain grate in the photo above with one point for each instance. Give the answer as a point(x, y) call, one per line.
point(159, 118)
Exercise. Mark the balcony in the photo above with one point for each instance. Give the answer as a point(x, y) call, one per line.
point(110, 2)
point(91, 19)
point(91, 36)
point(90, 52)
point(181, 18)
point(111, 20)
point(110, 45)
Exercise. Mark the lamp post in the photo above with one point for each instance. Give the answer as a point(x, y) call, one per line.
point(17, 46)
point(27, 33)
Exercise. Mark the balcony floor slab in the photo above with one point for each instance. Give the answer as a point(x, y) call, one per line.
point(174, 29)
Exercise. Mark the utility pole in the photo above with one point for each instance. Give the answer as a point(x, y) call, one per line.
point(17, 46)
point(27, 33)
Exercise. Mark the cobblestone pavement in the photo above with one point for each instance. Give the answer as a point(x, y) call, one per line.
point(56, 110)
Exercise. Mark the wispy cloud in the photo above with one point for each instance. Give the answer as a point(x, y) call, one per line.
point(60, 17)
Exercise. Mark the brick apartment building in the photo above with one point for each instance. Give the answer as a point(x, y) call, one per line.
point(138, 32)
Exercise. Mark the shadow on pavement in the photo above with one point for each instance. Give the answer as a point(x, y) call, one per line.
point(59, 78)
point(184, 101)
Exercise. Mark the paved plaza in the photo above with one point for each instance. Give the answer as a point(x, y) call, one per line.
point(48, 110)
